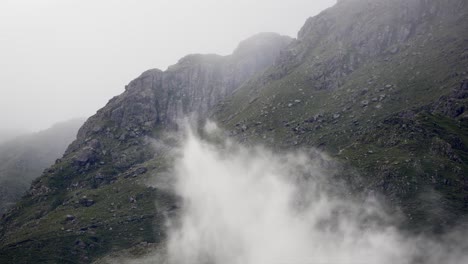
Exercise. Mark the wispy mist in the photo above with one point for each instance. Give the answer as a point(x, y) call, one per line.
point(250, 205)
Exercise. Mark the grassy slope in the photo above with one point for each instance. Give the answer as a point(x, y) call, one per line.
point(379, 120)
point(37, 229)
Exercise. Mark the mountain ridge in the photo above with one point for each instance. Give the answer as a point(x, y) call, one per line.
point(387, 101)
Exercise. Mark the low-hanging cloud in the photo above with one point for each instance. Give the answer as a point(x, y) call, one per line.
point(251, 205)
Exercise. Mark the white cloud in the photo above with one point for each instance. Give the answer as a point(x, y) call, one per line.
point(253, 206)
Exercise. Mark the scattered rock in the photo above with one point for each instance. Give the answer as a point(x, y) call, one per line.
point(141, 170)
point(134, 172)
point(86, 202)
point(88, 154)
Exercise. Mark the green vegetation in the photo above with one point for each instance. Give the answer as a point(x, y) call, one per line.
point(379, 88)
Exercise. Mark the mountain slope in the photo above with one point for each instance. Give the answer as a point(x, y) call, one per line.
point(380, 85)
point(24, 158)
point(95, 200)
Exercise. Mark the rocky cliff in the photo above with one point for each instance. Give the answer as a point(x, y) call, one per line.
point(194, 85)
point(158, 99)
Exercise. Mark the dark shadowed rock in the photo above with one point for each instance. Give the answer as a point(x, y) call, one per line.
point(70, 217)
point(84, 201)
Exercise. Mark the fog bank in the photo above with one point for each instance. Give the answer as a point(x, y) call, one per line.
point(250, 205)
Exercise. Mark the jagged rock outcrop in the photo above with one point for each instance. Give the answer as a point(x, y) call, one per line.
point(380, 28)
point(194, 85)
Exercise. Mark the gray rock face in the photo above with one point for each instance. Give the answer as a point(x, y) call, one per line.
point(194, 85)
point(88, 154)
point(453, 105)
point(394, 24)
point(415, 17)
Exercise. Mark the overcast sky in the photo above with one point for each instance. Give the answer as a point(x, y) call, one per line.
point(61, 59)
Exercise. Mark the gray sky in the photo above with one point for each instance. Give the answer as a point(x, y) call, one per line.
point(61, 59)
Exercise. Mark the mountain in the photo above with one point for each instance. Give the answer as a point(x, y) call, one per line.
point(24, 158)
point(96, 191)
point(380, 85)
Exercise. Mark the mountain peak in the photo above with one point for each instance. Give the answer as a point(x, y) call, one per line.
point(260, 42)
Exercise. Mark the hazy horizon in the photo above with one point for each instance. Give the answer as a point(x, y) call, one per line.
point(66, 59)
